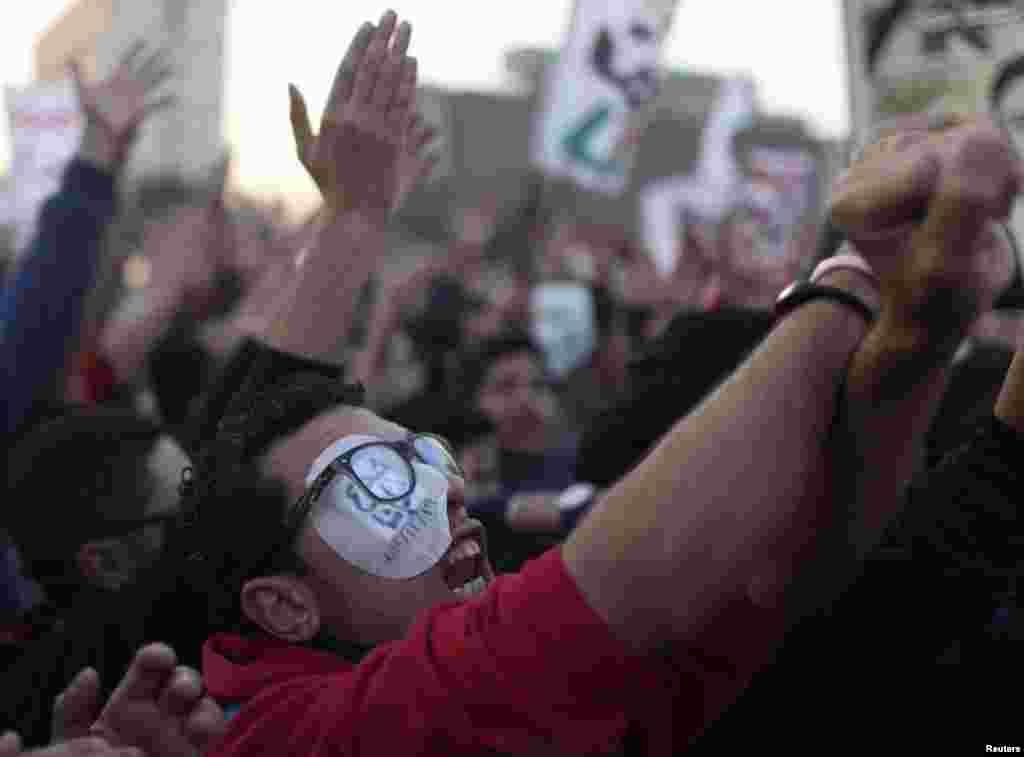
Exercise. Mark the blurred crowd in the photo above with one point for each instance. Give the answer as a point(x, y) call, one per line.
point(610, 510)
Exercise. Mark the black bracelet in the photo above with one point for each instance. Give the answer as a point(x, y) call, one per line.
point(804, 292)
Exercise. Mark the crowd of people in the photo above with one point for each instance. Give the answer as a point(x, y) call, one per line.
point(370, 511)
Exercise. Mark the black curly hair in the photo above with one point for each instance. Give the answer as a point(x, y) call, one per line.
point(227, 490)
point(90, 464)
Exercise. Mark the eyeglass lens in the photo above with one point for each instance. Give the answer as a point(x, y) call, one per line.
point(383, 471)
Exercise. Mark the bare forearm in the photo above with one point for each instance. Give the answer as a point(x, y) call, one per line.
point(315, 311)
point(691, 522)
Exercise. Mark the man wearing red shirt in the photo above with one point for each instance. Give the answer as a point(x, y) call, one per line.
point(671, 592)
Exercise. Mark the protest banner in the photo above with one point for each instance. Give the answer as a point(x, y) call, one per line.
point(45, 127)
point(962, 56)
point(594, 99)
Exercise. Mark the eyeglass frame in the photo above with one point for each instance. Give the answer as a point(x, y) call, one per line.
point(302, 507)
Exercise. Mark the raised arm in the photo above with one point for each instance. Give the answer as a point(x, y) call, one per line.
point(41, 307)
point(178, 249)
point(354, 161)
point(700, 517)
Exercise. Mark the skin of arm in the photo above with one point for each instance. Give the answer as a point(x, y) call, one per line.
point(316, 307)
point(715, 490)
point(733, 481)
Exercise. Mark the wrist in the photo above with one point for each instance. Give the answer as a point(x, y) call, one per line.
point(99, 149)
point(859, 284)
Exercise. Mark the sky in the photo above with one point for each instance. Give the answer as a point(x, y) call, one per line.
point(793, 49)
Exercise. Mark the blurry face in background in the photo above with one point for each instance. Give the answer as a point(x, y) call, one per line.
point(517, 400)
point(127, 556)
point(503, 299)
point(485, 322)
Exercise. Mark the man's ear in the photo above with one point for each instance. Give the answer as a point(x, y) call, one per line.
point(102, 564)
point(283, 606)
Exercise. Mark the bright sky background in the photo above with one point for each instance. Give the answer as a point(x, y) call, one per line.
point(793, 48)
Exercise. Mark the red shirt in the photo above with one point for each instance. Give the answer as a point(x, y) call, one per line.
point(525, 667)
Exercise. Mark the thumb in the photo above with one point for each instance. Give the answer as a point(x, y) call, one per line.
point(302, 131)
point(77, 707)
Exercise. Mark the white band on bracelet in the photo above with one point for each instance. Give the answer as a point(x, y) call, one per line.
point(850, 260)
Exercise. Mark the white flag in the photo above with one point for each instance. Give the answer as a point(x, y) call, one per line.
point(712, 188)
point(607, 72)
point(45, 126)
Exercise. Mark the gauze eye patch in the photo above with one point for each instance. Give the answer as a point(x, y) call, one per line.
point(400, 538)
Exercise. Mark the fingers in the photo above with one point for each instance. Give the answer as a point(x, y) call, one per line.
point(302, 130)
point(405, 91)
point(369, 70)
point(344, 79)
point(78, 706)
point(882, 193)
point(980, 184)
point(128, 58)
point(395, 73)
point(403, 36)
point(87, 746)
point(205, 724)
point(146, 675)
point(182, 693)
point(10, 744)
point(423, 133)
point(159, 104)
point(154, 70)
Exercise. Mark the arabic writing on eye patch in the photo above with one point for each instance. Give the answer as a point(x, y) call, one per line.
point(391, 515)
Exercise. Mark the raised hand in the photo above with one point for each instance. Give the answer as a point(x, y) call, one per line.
point(922, 205)
point(355, 158)
point(159, 707)
point(116, 107)
point(415, 162)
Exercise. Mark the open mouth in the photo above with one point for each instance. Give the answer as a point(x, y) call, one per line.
point(465, 569)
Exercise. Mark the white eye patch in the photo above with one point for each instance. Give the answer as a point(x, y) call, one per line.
point(399, 539)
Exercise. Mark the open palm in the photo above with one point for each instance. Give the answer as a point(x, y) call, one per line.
point(354, 160)
point(115, 107)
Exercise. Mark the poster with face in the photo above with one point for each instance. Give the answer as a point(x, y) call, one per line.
point(781, 190)
point(913, 56)
point(594, 98)
point(910, 56)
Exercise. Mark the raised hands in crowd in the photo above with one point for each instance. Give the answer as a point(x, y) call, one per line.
point(43, 302)
point(701, 551)
point(157, 710)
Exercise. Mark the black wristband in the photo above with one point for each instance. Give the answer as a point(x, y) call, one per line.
point(801, 292)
